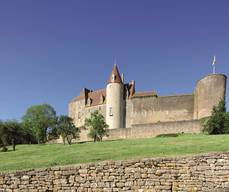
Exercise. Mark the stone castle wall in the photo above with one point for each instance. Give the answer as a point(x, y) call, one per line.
point(146, 130)
point(207, 173)
point(161, 109)
point(79, 112)
point(154, 129)
point(208, 92)
point(143, 114)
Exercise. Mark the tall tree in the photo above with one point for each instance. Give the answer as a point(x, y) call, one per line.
point(97, 126)
point(66, 129)
point(38, 119)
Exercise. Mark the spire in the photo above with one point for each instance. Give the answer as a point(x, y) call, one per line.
point(115, 76)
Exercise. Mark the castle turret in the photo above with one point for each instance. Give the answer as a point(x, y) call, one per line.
point(114, 100)
point(208, 92)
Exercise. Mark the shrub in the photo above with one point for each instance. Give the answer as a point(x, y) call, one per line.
point(169, 135)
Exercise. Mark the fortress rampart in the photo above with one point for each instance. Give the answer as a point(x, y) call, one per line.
point(124, 108)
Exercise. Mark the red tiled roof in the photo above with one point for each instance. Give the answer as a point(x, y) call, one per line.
point(95, 97)
point(98, 97)
point(116, 74)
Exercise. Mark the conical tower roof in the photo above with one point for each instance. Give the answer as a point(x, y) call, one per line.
point(115, 76)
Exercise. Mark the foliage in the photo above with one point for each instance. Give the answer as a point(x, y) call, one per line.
point(13, 132)
point(217, 123)
point(36, 156)
point(226, 124)
point(66, 128)
point(3, 137)
point(97, 125)
point(38, 119)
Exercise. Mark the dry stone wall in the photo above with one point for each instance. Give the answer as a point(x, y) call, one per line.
point(198, 173)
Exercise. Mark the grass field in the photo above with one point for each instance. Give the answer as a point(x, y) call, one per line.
point(46, 155)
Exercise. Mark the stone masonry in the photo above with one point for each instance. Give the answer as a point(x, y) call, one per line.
point(208, 172)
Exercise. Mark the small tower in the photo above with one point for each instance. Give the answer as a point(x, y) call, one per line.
point(114, 100)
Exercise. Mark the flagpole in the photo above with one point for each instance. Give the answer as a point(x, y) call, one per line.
point(213, 64)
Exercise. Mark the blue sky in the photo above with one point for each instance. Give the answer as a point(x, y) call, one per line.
point(51, 49)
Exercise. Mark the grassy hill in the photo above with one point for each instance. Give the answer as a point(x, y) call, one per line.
point(46, 155)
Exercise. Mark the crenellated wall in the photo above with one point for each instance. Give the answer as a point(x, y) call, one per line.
point(201, 173)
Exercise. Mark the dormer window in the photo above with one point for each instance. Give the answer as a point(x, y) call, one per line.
point(101, 99)
point(113, 77)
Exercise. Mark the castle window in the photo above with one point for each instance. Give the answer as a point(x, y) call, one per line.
point(110, 111)
point(79, 115)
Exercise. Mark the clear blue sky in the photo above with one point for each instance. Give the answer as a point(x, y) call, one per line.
point(51, 49)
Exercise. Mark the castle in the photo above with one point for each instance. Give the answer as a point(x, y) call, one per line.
point(131, 114)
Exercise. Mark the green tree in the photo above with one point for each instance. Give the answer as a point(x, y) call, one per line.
point(13, 131)
point(3, 137)
point(215, 124)
point(226, 124)
point(97, 126)
point(38, 119)
point(66, 129)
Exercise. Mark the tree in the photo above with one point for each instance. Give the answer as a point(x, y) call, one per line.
point(226, 124)
point(38, 119)
point(97, 126)
point(3, 137)
point(13, 132)
point(66, 129)
point(216, 123)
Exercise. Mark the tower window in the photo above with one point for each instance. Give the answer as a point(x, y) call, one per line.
point(110, 111)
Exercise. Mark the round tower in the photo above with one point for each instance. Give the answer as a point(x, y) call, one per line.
point(114, 100)
point(208, 92)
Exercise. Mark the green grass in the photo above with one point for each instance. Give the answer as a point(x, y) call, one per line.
point(46, 155)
